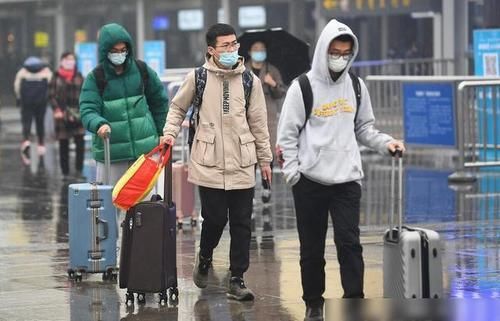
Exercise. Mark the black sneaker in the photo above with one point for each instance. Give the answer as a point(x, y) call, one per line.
point(200, 271)
point(314, 313)
point(238, 290)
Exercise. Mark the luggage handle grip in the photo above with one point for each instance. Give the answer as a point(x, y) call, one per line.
point(105, 227)
point(107, 158)
point(167, 188)
point(396, 154)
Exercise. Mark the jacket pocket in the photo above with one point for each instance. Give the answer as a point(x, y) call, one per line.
point(204, 149)
point(248, 152)
point(334, 166)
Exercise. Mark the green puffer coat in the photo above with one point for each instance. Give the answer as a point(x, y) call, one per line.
point(136, 117)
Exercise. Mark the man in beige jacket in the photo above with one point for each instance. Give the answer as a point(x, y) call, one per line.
point(231, 137)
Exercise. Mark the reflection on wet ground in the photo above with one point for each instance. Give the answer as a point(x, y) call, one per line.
point(34, 244)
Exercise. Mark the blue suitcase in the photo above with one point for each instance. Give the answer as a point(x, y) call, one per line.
point(93, 230)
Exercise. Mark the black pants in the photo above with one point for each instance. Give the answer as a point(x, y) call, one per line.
point(64, 154)
point(27, 114)
point(216, 206)
point(313, 202)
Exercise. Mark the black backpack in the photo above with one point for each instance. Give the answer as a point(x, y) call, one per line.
point(307, 95)
point(200, 78)
point(101, 81)
point(34, 92)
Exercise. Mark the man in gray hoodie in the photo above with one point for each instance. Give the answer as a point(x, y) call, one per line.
point(321, 160)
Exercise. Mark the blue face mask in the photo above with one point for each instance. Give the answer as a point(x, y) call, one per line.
point(229, 59)
point(117, 58)
point(258, 56)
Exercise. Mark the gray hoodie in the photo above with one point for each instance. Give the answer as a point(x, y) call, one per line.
point(326, 150)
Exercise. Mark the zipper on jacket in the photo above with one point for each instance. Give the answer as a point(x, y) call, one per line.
point(132, 140)
point(222, 128)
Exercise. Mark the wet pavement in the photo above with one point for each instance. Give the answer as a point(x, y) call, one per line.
point(34, 243)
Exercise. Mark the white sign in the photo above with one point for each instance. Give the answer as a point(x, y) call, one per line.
point(252, 16)
point(190, 19)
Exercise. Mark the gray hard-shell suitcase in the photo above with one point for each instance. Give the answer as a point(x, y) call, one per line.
point(93, 228)
point(148, 261)
point(412, 263)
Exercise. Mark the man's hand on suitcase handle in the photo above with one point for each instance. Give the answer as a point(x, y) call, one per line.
point(396, 147)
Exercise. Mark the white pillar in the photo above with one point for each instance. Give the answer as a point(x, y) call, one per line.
point(226, 7)
point(140, 29)
point(320, 19)
point(60, 43)
point(461, 29)
point(449, 32)
point(437, 38)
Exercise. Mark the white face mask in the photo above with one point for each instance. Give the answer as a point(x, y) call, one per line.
point(337, 64)
point(68, 64)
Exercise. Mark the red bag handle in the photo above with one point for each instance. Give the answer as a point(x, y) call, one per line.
point(165, 153)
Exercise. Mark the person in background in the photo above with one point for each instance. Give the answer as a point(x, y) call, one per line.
point(64, 92)
point(274, 90)
point(31, 89)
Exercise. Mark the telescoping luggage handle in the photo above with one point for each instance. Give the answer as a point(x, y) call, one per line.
point(397, 154)
point(167, 190)
point(107, 159)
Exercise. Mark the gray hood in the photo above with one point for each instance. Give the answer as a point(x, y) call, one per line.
point(319, 68)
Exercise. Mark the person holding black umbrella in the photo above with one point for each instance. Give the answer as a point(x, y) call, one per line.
point(322, 161)
point(274, 90)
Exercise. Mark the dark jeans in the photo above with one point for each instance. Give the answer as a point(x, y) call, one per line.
point(27, 114)
point(64, 154)
point(313, 202)
point(216, 206)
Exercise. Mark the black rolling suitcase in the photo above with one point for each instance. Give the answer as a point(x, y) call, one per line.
point(148, 252)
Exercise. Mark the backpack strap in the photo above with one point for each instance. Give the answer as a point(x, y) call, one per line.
point(200, 81)
point(247, 78)
point(307, 97)
point(100, 78)
point(357, 91)
point(143, 69)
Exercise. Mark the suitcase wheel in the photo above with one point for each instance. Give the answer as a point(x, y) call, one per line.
point(129, 299)
point(76, 275)
point(163, 298)
point(141, 298)
point(174, 294)
point(110, 275)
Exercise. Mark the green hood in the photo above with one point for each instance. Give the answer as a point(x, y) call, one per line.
point(109, 35)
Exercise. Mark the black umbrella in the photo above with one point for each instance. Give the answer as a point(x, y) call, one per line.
point(288, 53)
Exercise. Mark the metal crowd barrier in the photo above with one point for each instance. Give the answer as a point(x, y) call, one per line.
point(478, 116)
point(401, 67)
point(476, 109)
